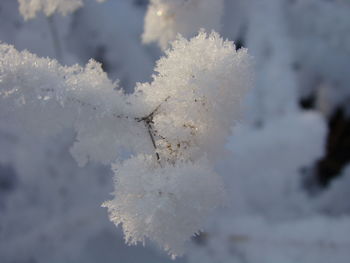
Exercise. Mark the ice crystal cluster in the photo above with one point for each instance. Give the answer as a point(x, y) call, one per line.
point(174, 128)
point(30, 8)
point(166, 18)
point(166, 204)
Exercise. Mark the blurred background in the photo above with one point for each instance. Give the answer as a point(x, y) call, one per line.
point(286, 171)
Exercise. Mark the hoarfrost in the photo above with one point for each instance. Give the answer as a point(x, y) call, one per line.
point(168, 189)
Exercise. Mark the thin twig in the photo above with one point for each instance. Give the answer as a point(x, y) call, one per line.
point(148, 120)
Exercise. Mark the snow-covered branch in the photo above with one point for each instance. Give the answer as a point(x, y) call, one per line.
point(175, 127)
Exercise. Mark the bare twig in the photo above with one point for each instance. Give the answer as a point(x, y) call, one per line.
point(148, 120)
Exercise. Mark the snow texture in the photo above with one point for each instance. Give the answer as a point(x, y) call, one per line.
point(166, 204)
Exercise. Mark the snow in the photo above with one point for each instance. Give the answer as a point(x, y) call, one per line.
point(242, 177)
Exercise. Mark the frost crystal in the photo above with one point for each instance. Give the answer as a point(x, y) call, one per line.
point(166, 204)
point(166, 18)
point(175, 126)
point(29, 8)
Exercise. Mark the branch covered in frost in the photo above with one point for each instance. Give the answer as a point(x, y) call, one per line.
point(176, 126)
point(46, 97)
point(166, 18)
point(29, 8)
point(196, 93)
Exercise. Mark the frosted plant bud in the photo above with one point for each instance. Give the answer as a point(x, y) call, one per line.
point(199, 85)
point(29, 8)
point(167, 204)
point(166, 18)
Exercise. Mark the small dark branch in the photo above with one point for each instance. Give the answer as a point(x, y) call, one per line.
point(148, 120)
point(149, 128)
point(149, 117)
